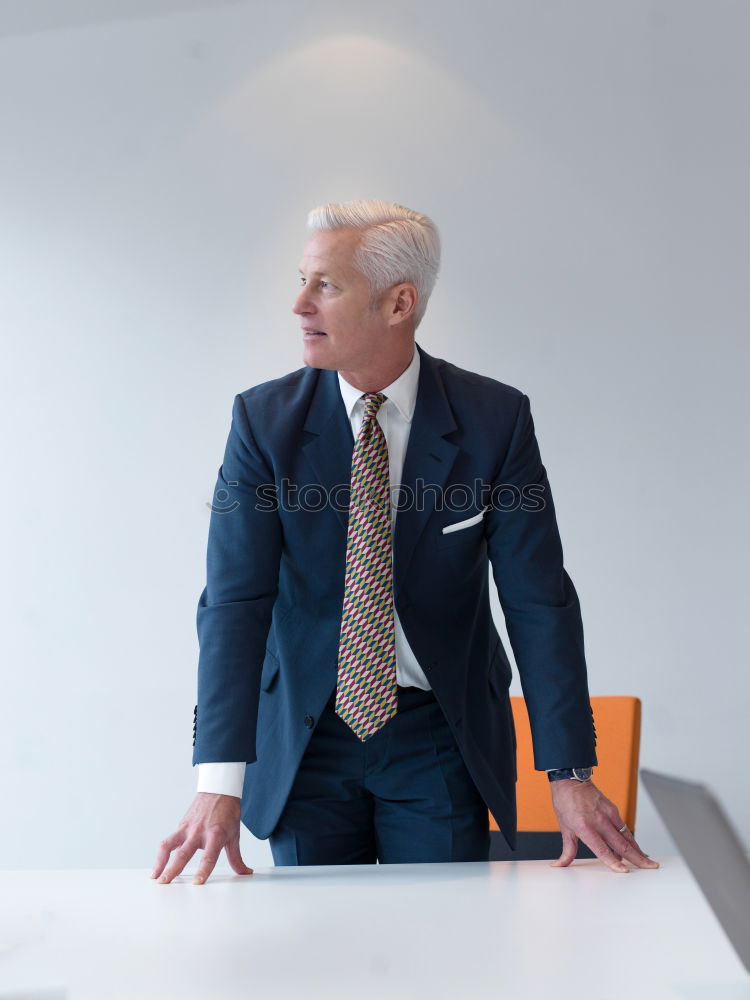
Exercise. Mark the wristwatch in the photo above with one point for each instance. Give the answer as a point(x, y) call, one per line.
point(576, 773)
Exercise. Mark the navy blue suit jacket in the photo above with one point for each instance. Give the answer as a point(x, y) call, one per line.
point(269, 617)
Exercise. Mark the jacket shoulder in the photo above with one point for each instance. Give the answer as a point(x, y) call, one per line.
point(452, 374)
point(279, 403)
point(473, 396)
point(282, 388)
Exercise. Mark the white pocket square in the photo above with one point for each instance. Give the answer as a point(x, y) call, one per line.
point(458, 525)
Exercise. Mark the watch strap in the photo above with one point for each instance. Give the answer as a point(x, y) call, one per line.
point(577, 773)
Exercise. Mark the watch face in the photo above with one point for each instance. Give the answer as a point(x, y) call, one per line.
point(583, 773)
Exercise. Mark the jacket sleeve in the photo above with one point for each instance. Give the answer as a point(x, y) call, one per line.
point(540, 604)
point(234, 609)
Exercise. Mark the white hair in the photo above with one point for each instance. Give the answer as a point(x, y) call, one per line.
point(397, 244)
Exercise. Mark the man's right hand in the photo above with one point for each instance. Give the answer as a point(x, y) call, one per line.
point(211, 822)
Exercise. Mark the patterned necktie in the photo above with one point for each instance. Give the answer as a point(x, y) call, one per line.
point(366, 693)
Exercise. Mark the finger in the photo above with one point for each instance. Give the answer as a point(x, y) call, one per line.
point(596, 843)
point(165, 849)
point(623, 840)
point(180, 859)
point(235, 858)
point(630, 850)
point(208, 861)
point(569, 850)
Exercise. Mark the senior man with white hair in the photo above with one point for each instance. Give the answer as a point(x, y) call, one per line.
point(352, 688)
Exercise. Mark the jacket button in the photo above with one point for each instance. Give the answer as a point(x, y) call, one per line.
point(309, 721)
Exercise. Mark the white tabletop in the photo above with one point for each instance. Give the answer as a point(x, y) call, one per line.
point(499, 929)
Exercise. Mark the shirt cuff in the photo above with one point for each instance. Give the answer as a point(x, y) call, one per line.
point(222, 778)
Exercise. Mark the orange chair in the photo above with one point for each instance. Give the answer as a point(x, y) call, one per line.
point(618, 736)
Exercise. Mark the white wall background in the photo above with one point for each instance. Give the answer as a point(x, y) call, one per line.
point(587, 165)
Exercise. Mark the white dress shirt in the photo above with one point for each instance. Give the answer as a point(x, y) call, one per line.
point(394, 416)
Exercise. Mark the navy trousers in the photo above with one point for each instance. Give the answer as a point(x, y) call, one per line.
point(403, 795)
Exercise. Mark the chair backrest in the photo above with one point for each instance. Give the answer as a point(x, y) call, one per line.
point(618, 738)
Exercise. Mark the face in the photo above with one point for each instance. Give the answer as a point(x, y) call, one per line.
point(341, 329)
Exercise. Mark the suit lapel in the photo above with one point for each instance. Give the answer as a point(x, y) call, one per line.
point(330, 442)
point(428, 462)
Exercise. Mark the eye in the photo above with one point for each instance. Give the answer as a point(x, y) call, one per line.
point(323, 284)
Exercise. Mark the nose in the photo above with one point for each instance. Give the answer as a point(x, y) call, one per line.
point(302, 304)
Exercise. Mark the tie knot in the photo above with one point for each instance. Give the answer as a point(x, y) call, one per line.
point(373, 402)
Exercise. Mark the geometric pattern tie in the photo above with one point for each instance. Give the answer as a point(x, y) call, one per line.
point(366, 692)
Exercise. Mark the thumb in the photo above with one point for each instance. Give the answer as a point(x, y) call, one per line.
point(235, 858)
point(569, 850)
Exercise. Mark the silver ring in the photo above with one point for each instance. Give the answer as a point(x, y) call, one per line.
point(623, 828)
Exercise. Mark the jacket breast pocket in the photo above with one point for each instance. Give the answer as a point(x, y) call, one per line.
point(470, 535)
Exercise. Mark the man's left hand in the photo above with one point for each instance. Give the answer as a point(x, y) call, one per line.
point(583, 812)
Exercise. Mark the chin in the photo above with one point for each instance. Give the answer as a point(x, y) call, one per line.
point(317, 355)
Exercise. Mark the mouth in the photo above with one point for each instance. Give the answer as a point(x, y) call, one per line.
point(313, 333)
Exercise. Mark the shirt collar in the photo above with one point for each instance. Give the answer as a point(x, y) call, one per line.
point(402, 391)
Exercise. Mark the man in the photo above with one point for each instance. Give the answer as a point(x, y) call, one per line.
point(352, 688)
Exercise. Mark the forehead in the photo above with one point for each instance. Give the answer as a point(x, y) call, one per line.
point(330, 251)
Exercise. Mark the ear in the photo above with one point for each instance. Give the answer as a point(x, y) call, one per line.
point(402, 302)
